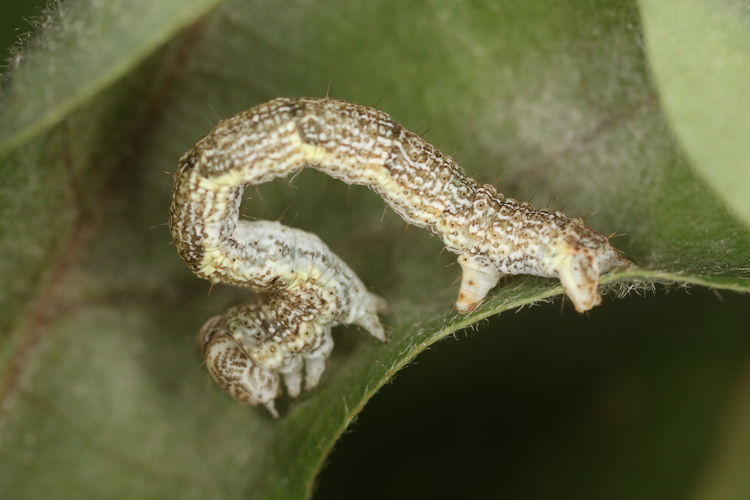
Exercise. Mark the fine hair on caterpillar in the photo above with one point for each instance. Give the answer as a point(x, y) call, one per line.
point(304, 289)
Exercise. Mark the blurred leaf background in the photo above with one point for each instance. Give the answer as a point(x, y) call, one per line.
point(645, 397)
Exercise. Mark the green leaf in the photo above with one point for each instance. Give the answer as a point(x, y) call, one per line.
point(85, 47)
point(699, 54)
point(52, 178)
point(101, 378)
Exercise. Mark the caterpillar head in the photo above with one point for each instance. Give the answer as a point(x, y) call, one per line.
point(232, 368)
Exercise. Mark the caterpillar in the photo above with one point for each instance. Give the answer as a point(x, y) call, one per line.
point(304, 289)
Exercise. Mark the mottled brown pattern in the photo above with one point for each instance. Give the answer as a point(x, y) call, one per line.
point(306, 289)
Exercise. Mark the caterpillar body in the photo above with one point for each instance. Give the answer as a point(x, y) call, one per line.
point(304, 288)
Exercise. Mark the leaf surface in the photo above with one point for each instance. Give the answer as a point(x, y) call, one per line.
point(551, 100)
point(699, 53)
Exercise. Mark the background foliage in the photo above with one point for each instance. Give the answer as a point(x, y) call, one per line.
point(102, 392)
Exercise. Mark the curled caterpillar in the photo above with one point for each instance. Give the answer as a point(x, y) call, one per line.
point(305, 289)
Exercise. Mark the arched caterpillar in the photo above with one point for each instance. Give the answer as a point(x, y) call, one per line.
point(305, 289)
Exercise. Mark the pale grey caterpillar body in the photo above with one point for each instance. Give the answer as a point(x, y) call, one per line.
point(304, 288)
